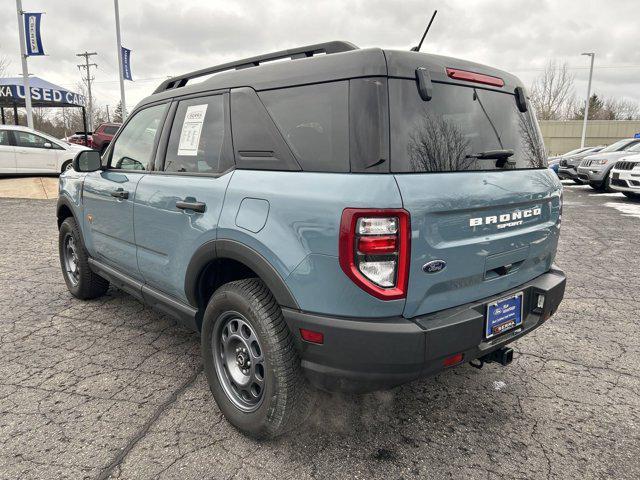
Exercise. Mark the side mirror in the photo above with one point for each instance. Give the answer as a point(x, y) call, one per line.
point(47, 145)
point(87, 161)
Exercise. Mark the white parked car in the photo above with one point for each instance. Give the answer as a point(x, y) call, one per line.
point(26, 151)
point(625, 176)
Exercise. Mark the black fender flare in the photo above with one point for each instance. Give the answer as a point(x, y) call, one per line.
point(64, 201)
point(231, 249)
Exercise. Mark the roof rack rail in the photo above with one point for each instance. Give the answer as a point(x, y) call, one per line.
point(293, 53)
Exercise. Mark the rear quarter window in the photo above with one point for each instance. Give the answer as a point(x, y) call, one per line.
point(442, 134)
point(314, 121)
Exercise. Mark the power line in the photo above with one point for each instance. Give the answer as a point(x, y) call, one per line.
point(542, 69)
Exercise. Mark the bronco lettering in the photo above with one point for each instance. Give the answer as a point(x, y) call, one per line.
point(505, 220)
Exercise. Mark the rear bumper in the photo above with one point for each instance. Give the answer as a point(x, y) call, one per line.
point(371, 354)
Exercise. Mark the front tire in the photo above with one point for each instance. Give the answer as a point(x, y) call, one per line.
point(81, 281)
point(250, 361)
point(603, 186)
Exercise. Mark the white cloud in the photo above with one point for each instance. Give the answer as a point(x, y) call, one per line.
point(170, 37)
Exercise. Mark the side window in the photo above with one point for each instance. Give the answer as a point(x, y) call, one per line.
point(29, 140)
point(134, 146)
point(314, 120)
point(197, 139)
point(4, 138)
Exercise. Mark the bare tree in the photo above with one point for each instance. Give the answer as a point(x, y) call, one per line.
point(436, 145)
point(621, 109)
point(609, 109)
point(553, 93)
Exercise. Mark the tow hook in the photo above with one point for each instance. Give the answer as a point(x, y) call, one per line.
point(503, 356)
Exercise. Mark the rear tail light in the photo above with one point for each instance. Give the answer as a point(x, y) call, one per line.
point(467, 76)
point(374, 250)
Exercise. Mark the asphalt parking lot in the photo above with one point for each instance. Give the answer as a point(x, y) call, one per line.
point(111, 389)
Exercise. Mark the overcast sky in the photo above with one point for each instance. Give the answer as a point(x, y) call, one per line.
point(172, 37)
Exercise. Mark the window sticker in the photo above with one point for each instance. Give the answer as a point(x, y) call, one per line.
point(191, 130)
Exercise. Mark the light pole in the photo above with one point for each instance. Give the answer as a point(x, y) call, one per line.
point(122, 101)
point(586, 106)
point(25, 68)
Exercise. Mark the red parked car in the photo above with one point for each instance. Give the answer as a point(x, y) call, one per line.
point(103, 135)
point(78, 139)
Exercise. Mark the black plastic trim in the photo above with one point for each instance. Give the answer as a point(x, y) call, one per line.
point(184, 314)
point(231, 249)
point(64, 201)
point(364, 354)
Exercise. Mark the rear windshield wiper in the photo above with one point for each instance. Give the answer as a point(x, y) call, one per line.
point(492, 155)
point(501, 156)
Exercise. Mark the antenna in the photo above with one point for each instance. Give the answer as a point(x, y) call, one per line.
point(417, 49)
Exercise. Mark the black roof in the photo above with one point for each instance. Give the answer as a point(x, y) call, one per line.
point(342, 60)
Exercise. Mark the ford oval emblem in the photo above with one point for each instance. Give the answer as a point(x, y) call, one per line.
point(434, 266)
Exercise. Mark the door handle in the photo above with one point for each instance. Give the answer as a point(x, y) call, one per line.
point(189, 204)
point(120, 193)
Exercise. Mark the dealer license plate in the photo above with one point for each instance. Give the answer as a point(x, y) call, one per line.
point(503, 315)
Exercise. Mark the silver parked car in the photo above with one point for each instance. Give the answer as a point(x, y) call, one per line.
point(595, 169)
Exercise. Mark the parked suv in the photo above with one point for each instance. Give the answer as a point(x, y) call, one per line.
point(569, 163)
point(103, 135)
point(595, 169)
point(625, 176)
point(352, 220)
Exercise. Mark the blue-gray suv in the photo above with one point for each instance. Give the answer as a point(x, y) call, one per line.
point(345, 218)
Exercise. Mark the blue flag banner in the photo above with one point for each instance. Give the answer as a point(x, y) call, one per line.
point(126, 64)
point(32, 34)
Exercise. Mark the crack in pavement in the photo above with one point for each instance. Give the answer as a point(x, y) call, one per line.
point(139, 435)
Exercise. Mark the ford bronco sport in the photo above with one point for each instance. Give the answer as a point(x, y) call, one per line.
point(350, 219)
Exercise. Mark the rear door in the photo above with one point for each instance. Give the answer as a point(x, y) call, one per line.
point(109, 194)
point(493, 224)
point(7, 153)
point(177, 207)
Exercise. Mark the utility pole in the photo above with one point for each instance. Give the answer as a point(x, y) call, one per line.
point(25, 67)
point(87, 67)
point(108, 116)
point(586, 106)
point(120, 66)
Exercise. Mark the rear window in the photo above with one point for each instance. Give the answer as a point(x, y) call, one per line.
point(110, 130)
point(196, 142)
point(313, 120)
point(441, 135)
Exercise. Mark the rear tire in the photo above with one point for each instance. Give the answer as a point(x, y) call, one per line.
point(252, 367)
point(81, 281)
point(66, 166)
